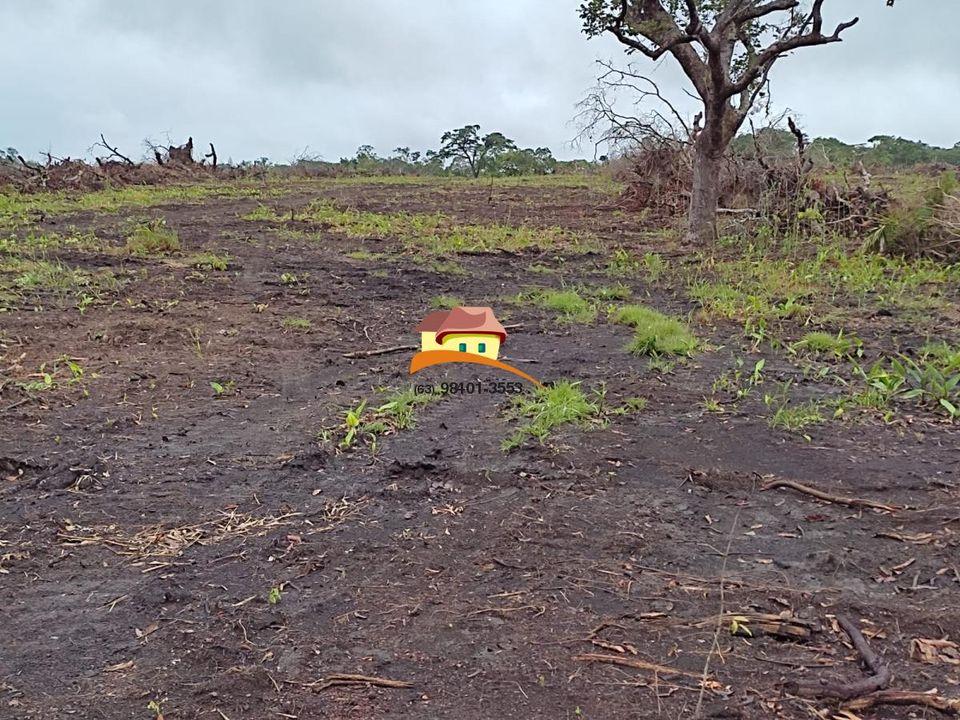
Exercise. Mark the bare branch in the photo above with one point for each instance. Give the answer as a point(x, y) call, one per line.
point(113, 151)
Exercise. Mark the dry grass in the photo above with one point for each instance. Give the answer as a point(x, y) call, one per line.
point(159, 541)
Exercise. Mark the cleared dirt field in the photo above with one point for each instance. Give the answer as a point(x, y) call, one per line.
point(185, 531)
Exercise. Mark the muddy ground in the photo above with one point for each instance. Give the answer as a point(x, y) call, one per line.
point(145, 518)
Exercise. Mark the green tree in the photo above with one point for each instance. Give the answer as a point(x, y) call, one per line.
point(526, 161)
point(465, 147)
point(726, 48)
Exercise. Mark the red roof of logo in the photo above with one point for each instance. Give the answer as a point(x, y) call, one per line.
point(473, 320)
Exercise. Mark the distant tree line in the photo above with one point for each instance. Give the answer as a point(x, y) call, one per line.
point(880, 150)
point(463, 151)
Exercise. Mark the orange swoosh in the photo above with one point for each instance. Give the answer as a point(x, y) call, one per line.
point(437, 357)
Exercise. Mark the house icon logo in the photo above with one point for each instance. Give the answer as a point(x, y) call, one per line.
point(463, 329)
point(462, 335)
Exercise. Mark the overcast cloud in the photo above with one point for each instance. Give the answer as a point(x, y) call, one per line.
point(270, 78)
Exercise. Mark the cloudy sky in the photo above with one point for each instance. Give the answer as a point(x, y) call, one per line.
point(271, 78)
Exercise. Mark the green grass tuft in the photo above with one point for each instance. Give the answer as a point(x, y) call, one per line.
point(569, 305)
point(825, 343)
point(654, 332)
point(209, 261)
point(546, 409)
point(297, 323)
point(153, 238)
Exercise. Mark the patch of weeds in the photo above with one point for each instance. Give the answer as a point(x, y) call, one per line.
point(945, 356)
point(932, 380)
point(34, 244)
point(654, 332)
point(22, 278)
point(364, 255)
point(788, 415)
point(540, 269)
point(661, 365)
point(364, 425)
point(62, 372)
point(654, 266)
point(569, 305)
point(21, 208)
point(297, 323)
point(445, 302)
point(823, 343)
point(630, 405)
point(435, 233)
point(497, 238)
point(737, 382)
point(546, 408)
point(619, 291)
point(262, 213)
point(441, 267)
point(623, 263)
point(153, 238)
point(928, 383)
point(208, 261)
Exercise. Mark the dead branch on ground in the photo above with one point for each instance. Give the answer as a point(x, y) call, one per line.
point(930, 699)
point(881, 676)
point(827, 497)
point(636, 663)
point(339, 679)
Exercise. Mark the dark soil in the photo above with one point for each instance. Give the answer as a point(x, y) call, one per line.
point(144, 519)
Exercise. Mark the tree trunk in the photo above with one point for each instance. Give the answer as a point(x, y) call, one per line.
point(705, 193)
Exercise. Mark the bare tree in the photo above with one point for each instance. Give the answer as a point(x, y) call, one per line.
point(648, 116)
point(726, 48)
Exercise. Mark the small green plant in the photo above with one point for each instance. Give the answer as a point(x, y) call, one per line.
point(297, 323)
point(288, 279)
point(445, 302)
point(222, 389)
point(654, 332)
point(546, 408)
point(153, 238)
point(154, 707)
point(274, 596)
